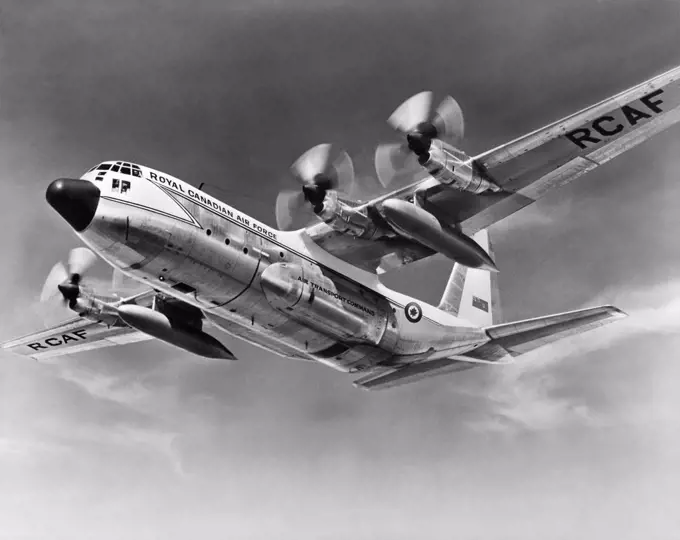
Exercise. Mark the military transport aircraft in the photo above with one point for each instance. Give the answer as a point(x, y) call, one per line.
point(314, 293)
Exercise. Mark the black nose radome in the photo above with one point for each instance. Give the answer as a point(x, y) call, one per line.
point(75, 200)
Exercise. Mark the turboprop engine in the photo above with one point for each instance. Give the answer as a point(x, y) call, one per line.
point(425, 131)
point(418, 224)
point(334, 307)
point(322, 179)
point(159, 322)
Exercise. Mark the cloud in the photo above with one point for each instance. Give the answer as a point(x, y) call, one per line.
point(12, 448)
point(527, 397)
point(519, 403)
point(146, 430)
point(128, 392)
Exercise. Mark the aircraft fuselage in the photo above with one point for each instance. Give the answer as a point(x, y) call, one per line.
point(275, 289)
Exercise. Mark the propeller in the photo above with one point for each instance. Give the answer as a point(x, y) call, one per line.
point(317, 174)
point(66, 279)
point(415, 119)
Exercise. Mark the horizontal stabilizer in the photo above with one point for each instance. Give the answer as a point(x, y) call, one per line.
point(520, 337)
point(412, 373)
point(506, 341)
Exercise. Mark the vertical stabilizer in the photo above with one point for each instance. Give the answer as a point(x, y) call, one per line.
point(472, 294)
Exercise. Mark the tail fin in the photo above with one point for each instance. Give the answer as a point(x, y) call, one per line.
point(472, 294)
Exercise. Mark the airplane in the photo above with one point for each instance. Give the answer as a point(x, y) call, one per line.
point(314, 293)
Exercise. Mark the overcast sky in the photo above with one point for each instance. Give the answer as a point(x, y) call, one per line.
point(580, 440)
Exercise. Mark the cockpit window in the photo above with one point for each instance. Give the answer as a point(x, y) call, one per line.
point(125, 170)
point(120, 186)
point(115, 168)
point(104, 167)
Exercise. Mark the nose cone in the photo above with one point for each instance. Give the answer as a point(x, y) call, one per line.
point(75, 200)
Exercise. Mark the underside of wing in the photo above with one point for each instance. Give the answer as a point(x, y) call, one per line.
point(530, 166)
point(373, 255)
point(72, 336)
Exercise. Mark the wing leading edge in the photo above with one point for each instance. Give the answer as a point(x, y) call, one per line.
point(526, 168)
point(529, 167)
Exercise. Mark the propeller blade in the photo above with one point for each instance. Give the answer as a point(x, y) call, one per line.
point(57, 275)
point(448, 120)
point(80, 260)
point(343, 170)
point(289, 206)
point(412, 112)
point(314, 161)
point(392, 160)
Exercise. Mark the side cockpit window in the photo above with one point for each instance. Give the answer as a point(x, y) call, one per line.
point(120, 186)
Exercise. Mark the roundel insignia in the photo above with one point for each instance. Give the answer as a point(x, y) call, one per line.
point(413, 312)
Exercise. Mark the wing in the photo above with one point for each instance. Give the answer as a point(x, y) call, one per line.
point(526, 168)
point(79, 334)
point(73, 336)
point(531, 166)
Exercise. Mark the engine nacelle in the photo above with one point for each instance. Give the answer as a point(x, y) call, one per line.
point(89, 306)
point(345, 219)
point(455, 171)
point(336, 310)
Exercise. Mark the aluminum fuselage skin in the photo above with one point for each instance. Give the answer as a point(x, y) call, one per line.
point(277, 290)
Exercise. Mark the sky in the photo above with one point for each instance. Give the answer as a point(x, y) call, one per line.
point(578, 440)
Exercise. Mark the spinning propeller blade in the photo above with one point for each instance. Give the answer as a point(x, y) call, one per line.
point(57, 275)
point(67, 281)
point(412, 112)
point(80, 260)
point(392, 160)
point(314, 161)
point(317, 173)
point(448, 120)
point(290, 206)
point(415, 119)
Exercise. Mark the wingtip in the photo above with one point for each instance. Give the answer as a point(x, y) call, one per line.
point(615, 312)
